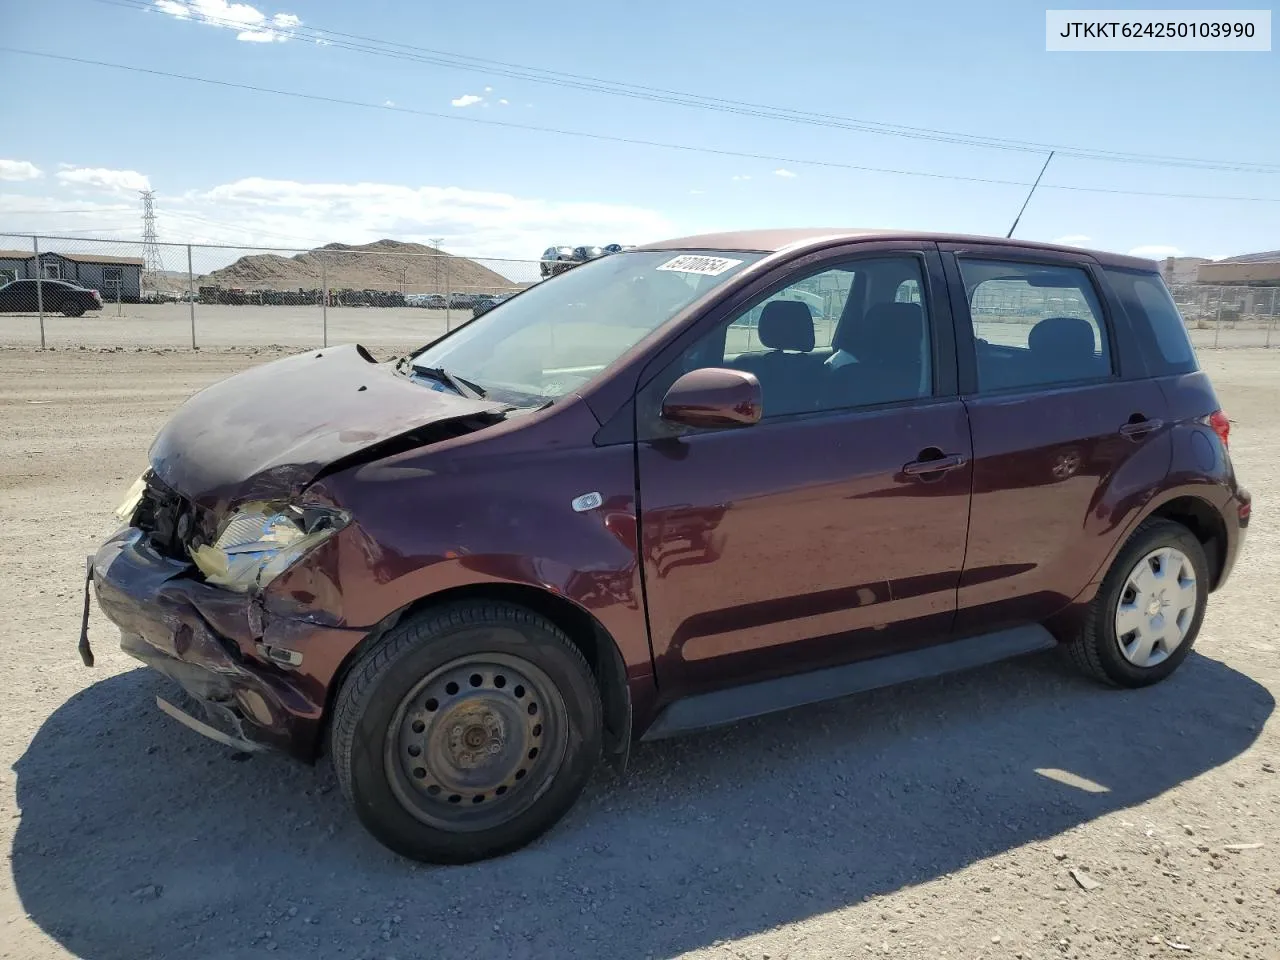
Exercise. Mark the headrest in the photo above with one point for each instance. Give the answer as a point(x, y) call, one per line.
point(787, 325)
point(1069, 338)
point(883, 323)
point(891, 332)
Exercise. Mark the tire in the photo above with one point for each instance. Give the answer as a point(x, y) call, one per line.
point(1114, 656)
point(72, 309)
point(466, 732)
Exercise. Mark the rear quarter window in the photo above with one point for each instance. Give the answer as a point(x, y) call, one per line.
point(1157, 324)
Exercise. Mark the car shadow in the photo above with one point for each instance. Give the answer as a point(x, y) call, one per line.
point(139, 838)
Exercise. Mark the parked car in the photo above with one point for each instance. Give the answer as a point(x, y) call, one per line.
point(617, 248)
point(56, 296)
point(583, 254)
point(556, 260)
point(483, 303)
point(612, 511)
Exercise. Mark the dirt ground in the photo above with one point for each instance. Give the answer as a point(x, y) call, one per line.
point(941, 819)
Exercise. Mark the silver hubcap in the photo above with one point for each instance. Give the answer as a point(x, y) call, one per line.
point(474, 743)
point(1156, 607)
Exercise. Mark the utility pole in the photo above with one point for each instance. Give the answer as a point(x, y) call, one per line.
point(152, 264)
point(435, 243)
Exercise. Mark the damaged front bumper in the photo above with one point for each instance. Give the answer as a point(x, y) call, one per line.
point(258, 678)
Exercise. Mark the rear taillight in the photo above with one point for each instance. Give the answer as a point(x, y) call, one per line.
point(1221, 426)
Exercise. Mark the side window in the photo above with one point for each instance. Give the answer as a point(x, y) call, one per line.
point(1034, 324)
point(824, 294)
point(844, 337)
point(1156, 320)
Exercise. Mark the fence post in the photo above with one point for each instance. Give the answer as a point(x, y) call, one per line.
point(1272, 321)
point(324, 303)
point(448, 299)
point(191, 296)
point(35, 245)
point(1217, 327)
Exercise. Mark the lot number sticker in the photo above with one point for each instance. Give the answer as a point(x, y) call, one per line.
point(702, 266)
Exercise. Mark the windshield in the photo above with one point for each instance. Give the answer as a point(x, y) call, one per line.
point(559, 334)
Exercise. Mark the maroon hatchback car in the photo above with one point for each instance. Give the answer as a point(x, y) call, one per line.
point(685, 484)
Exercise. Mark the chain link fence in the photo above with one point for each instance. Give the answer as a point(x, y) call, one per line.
point(386, 294)
point(389, 294)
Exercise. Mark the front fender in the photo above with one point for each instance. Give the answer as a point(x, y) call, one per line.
point(492, 508)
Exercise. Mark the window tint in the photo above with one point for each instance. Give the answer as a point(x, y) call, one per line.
point(842, 337)
point(1034, 324)
point(1156, 320)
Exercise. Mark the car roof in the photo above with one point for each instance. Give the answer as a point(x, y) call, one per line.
point(800, 238)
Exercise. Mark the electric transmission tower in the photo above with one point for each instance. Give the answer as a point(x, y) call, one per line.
point(152, 264)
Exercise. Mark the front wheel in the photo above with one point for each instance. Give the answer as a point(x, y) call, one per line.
point(466, 732)
point(1148, 611)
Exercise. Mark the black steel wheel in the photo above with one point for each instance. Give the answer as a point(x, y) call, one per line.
point(466, 732)
point(475, 742)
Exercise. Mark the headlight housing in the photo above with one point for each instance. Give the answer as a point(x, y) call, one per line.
point(261, 540)
point(124, 512)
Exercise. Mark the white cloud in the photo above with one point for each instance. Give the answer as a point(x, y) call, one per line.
point(19, 170)
point(466, 100)
point(250, 23)
point(785, 173)
point(261, 212)
point(488, 89)
point(1074, 240)
point(503, 103)
point(480, 223)
point(742, 176)
point(388, 103)
point(102, 179)
point(1156, 251)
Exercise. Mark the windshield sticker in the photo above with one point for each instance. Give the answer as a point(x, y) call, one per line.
point(702, 266)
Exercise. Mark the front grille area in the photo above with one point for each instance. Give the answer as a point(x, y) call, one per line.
point(173, 524)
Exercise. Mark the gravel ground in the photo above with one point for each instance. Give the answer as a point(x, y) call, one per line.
point(947, 818)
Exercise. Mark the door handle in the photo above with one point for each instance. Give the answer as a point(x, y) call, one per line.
point(1136, 430)
point(918, 468)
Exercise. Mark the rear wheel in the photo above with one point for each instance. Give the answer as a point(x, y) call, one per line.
point(466, 732)
point(72, 309)
point(1148, 611)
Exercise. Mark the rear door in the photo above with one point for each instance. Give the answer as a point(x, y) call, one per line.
point(1063, 428)
point(810, 538)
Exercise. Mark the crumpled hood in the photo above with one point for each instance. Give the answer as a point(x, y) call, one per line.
point(268, 432)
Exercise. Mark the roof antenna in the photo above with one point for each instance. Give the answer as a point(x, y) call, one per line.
point(1028, 200)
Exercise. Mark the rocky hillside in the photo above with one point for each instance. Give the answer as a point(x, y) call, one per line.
point(382, 265)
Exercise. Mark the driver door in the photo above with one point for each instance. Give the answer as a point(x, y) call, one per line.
point(806, 540)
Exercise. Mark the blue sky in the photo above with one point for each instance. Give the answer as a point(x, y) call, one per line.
point(235, 166)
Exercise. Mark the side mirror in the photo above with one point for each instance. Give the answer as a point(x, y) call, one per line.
point(714, 397)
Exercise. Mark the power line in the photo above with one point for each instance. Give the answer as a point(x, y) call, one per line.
point(35, 213)
point(630, 141)
point(442, 58)
point(235, 229)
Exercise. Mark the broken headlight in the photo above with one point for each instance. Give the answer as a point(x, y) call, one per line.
point(260, 541)
point(124, 512)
